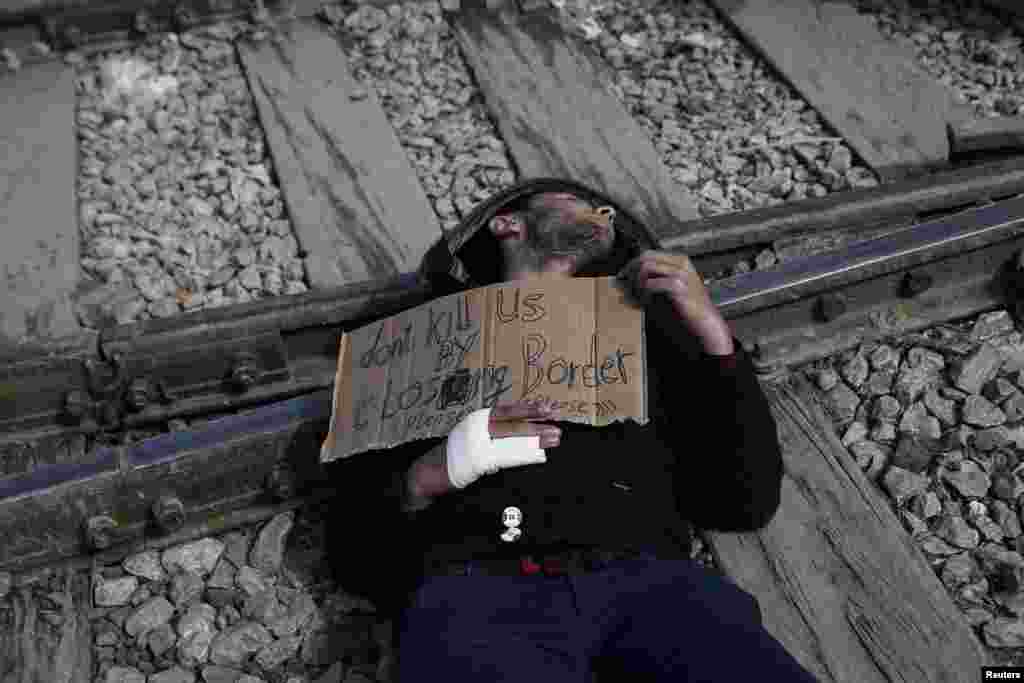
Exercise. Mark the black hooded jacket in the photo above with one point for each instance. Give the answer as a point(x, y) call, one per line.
point(708, 457)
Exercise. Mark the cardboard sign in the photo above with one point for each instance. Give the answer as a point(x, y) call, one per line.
point(415, 375)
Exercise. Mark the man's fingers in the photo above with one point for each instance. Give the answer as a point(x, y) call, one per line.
point(640, 268)
point(673, 260)
point(550, 435)
point(523, 411)
point(668, 285)
point(518, 419)
point(656, 269)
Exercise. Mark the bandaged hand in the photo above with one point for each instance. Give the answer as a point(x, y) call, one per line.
point(487, 440)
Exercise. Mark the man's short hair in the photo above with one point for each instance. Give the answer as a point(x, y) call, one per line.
point(478, 260)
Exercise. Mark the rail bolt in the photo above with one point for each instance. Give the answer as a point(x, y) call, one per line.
point(101, 532)
point(829, 307)
point(51, 30)
point(165, 394)
point(185, 16)
point(110, 414)
point(245, 373)
point(281, 483)
point(169, 513)
point(916, 283)
point(138, 394)
point(143, 22)
point(75, 404)
point(72, 36)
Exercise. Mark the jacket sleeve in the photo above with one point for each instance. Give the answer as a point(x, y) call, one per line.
point(728, 462)
point(377, 480)
point(372, 541)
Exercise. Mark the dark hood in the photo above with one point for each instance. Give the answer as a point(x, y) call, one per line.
point(470, 256)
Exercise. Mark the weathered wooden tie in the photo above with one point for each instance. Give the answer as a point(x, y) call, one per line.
point(867, 87)
point(38, 216)
point(39, 644)
point(840, 583)
point(358, 208)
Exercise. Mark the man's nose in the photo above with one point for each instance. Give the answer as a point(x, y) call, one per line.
point(604, 216)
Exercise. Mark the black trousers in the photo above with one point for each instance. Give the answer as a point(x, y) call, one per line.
point(642, 619)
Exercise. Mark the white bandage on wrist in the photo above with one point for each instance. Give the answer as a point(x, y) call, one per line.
point(471, 453)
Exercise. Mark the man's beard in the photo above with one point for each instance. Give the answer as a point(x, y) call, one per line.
point(548, 235)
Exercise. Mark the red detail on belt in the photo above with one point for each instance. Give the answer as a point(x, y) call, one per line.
point(528, 566)
point(553, 567)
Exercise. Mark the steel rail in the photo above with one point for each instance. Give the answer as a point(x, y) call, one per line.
point(915, 198)
point(762, 288)
point(15, 11)
point(90, 25)
point(941, 270)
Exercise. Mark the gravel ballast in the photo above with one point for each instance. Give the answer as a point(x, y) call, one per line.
point(409, 55)
point(202, 611)
point(205, 610)
point(970, 47)
point(936, 421)
point(731, 131)
point(179, 207)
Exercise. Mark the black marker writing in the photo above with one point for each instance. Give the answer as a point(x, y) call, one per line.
point(535, 312)
point(442, 326)
point(363, 406)
point(379, 355)
point(489, 381)
point(560, 371)
point(424, 420)
point(574, 407)
point(452, 352)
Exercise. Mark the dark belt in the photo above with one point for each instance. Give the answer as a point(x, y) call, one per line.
point(576, 561)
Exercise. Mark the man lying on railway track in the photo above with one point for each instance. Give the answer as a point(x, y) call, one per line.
point(547, 565)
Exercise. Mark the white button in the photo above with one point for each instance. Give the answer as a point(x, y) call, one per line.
point(511, 534)
point(512, 517)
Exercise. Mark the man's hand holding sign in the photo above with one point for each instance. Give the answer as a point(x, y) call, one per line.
point(656, 272)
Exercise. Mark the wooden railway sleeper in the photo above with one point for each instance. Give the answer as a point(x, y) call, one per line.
point(767, 370)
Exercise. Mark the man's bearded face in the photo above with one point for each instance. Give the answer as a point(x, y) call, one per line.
point(563, 225)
